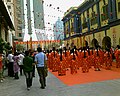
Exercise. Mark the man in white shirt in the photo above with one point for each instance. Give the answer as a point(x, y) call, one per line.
point(10, 64)
point(20, 62)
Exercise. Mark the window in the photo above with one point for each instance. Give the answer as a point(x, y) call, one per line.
point(87, 13)
point(20, 34)
point(18, 2)
point(67, 30)
point(93, 14)
point(79, 21)
point(10, 13)
point(8, 0)
point(84, 18)
point(9, 7)
point(104, 15)
point(94, 18)
point(19, 15)
point(72, 27)
point(118, 6)
point(19, 28)
point(84, 25)
point(105, 9)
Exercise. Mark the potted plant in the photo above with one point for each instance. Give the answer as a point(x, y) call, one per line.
point(7, 47)
point(1, 52)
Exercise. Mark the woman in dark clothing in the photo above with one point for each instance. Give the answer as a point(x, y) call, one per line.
point(32, 55)
point(28, 69)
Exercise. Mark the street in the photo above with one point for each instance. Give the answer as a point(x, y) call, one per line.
point(55, 87)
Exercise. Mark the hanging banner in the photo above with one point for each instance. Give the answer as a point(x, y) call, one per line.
point(37, 42)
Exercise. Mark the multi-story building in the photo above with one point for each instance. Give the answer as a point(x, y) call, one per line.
point(6, 23)
point(38, 14)
point(35, 16)
point(16, 10)
point(93, 19)
point(58, 30)
point(19, 18)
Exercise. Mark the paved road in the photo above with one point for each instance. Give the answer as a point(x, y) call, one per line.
point(11, 87)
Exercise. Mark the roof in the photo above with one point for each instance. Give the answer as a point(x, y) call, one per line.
point(70, 11)
point(6, 15)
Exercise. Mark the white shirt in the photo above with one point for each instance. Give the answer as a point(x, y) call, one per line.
point(10, 58)
point(20, 59)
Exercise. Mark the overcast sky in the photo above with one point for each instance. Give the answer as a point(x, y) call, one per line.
point(55, 9)
point(63, 5)
point(51, 14)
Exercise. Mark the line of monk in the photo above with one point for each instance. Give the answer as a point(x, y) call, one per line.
point(81, 59)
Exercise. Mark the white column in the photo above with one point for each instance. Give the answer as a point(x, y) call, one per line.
point(10, 37)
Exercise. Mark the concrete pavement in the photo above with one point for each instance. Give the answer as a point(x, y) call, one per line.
point(55, 87)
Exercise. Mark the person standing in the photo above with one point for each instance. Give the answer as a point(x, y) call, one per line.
point(16, 65)
point(20, 62)
point(28, 69)
point(10, 64)
point(1, 68)
point(41, 61)
point(33, 56)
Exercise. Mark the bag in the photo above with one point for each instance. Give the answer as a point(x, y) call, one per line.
point(45, 68)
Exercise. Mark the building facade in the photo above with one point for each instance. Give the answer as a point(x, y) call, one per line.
point(6, 23)
point(93, 19)
point(19, 18)
point(16, 11)
point(38, 14)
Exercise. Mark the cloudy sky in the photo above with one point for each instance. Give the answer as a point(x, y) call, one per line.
point(56, 8)
point(52, 10)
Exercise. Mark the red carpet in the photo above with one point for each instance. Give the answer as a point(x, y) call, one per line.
point(91, 76)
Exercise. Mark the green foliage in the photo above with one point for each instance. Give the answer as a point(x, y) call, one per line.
point(7, 46)
point(106, 43)
point(19, 47)
point(2, 43)
point(4, 46)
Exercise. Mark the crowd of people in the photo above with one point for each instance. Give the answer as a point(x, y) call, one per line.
point(82, 59)
point(57, 60)
point(24, 62)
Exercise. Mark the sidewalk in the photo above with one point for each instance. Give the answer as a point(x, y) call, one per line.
point(55, 87)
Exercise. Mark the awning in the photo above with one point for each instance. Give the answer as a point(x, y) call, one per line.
point(6, 15)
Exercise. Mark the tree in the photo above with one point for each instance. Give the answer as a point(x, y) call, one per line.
point(2, 43)
point(19, 47)
point(7, 47)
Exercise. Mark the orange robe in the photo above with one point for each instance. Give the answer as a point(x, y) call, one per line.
point(73, 67)
point(108, 61)
point(85, 67)
point(117, 56)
